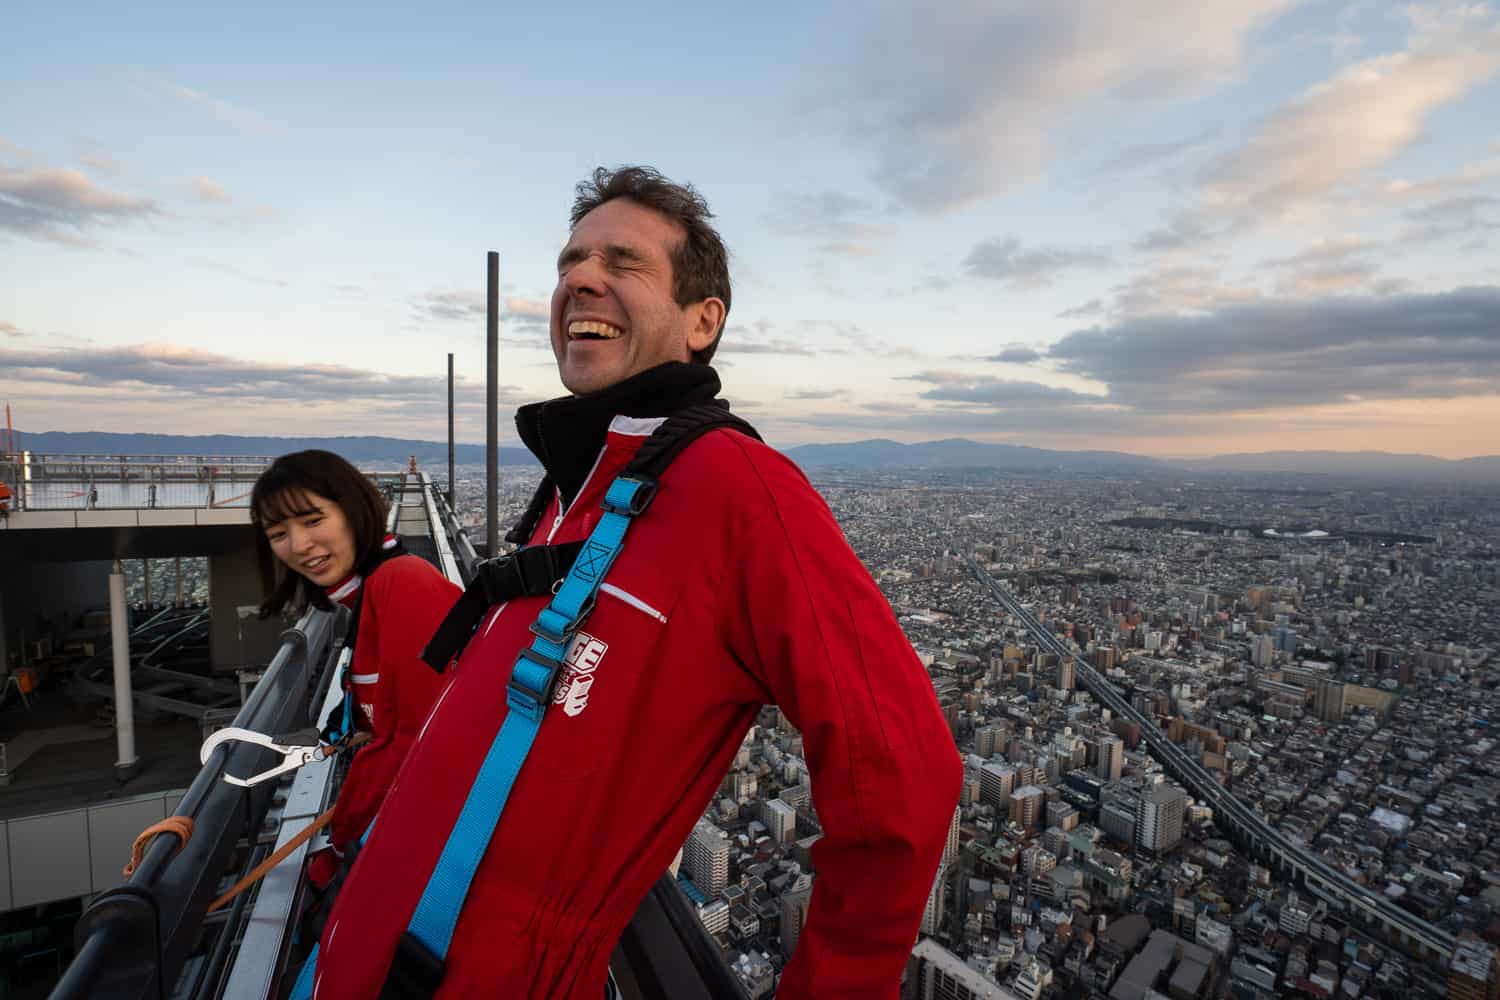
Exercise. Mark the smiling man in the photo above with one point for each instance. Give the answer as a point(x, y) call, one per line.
point(733, 588)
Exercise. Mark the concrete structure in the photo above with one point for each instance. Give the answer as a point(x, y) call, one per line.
point(1111, 758)
point(935, 973)
point(1158, 818)
point(705, 857)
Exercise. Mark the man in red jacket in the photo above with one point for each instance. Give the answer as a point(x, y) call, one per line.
point(735, 589)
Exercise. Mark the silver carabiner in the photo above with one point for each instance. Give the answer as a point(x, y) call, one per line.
point(292, 757)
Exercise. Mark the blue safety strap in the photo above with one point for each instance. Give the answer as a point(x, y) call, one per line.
point(532, 680)
point(303, 988)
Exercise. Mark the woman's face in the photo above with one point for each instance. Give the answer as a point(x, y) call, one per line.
point(314, 539)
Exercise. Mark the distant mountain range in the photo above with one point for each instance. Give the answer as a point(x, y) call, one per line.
point(949, 454)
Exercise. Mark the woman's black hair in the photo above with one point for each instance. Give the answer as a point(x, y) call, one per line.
point(281, 492)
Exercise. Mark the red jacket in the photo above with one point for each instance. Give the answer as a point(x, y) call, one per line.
point(404, 600)
point(735, 589)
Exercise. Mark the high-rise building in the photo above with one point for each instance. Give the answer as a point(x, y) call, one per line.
point(1158, 818)
point(781, 819)
point(989, 739)
point(1065, 680)
point(1027, 806)
point(705, 857)
point(996, 781)
point(1328, 701)
point(938, 974)
point(1263, 651)
point(950, 848)
point(1111, 758)
point(937, 901)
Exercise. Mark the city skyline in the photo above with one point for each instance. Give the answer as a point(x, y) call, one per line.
point(1261, 226)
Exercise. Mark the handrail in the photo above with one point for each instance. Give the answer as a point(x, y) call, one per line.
point(132, 941)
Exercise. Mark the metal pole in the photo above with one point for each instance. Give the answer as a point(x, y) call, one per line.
point(146, 576)
point(450, 430)
point(178, 567)
point(119, 633)
point(492, 412)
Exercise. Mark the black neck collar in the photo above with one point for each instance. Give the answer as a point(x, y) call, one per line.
point(565, 434)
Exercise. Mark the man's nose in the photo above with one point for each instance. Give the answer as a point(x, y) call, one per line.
point(585, 277)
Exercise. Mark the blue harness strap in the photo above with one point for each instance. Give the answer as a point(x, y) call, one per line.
point(418, 965)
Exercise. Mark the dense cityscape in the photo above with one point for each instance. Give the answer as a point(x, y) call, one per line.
point(1324, 649)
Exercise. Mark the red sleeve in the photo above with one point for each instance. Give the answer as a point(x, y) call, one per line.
point(804, 616)
point(408, 599)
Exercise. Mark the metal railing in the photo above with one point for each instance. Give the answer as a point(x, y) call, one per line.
point(133, 941)
point(103, 482)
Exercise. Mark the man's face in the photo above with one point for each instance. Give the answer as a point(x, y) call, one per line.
point(613, 314)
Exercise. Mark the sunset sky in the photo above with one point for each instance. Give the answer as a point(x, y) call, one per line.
point(1182, 227)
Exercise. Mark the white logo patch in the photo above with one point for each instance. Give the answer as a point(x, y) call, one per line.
point(582, 660)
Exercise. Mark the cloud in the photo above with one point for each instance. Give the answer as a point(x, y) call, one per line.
point(1177, 289)
point(841, 222)
point(1093, 307)
point(1462, 216)
point(1261, 355)
point(243, 119)
point(96, 156)
point(207, 190)
point(11, 330)
point(1142, 155)
point(960, 387)
point(1329, 267)
point(816, 394)
point(1005, 260)
point(1016, 354)
point(1360, 119)
point(527, 314)
point(193, 375)
point(59, 204)
point(965, 100)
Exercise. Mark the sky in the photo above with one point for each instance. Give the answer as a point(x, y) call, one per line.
point(1168, 227)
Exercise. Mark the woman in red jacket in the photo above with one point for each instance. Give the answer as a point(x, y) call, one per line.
point(321, 532)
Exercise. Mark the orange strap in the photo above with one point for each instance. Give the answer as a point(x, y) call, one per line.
point(275, 859)
point(182, 826)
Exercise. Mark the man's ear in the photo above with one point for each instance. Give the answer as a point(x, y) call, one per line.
point(708, 317)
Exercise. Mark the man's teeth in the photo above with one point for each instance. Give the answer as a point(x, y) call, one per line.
point(593, 329)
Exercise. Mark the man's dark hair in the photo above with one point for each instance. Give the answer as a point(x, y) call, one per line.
point(281, 492)
point(700, 264)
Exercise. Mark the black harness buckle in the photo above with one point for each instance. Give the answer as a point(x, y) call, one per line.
point(639, 501)
point(415, 972)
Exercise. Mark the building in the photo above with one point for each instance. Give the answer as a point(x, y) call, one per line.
point(935, 973)
point(1065, 681)
point(1328, 701)
point(714, 916)
point(794, 913)
point(1111, 758)
point(781, 819)
point(937, 901)
point(950, 848)
point(1027, 806)
point(1295, 916)
point(705, 857)
point(1158, 818)
point(1474, 973)
point(996, 781)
